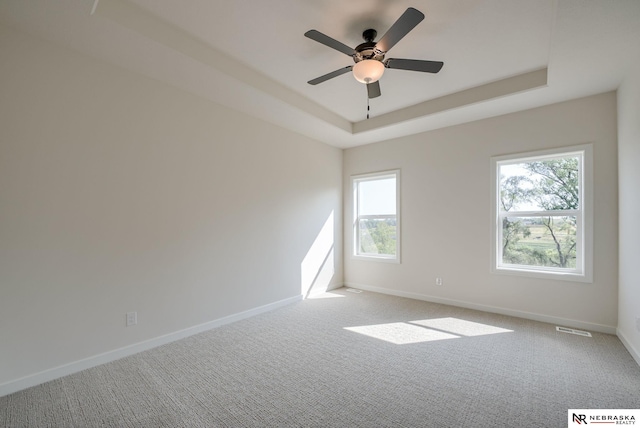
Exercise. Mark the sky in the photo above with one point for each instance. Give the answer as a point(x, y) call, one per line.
point(378, 197)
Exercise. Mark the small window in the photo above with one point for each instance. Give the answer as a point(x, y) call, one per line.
point(542, 223)
point(376, 226)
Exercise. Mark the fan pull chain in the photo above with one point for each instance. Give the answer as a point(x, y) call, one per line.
point(368, 107)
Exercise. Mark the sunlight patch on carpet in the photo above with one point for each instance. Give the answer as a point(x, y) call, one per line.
point(326, 295)
point(461, 327)
point(403, 333)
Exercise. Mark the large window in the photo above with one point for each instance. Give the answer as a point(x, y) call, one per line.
point(376, 226)
point(542, 205)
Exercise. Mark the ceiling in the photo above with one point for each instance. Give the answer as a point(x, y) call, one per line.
point(499, 56)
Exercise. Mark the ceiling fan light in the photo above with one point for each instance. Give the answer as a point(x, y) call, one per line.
point(368, 70)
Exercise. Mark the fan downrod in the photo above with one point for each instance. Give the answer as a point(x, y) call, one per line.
point(369, 35)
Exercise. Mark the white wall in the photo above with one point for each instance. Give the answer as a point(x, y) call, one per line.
point(446, 206)
point(629, 195)
point(119, 193)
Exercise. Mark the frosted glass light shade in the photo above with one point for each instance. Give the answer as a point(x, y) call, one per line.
point(368, 70)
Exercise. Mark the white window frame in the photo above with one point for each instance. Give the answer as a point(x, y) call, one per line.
point(584, 214)
point(355, 181)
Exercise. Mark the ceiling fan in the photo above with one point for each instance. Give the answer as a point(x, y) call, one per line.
point(369, 56)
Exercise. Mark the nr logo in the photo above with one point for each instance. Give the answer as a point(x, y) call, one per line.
point(580, 419)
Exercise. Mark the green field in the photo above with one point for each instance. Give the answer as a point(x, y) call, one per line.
point(538, 248)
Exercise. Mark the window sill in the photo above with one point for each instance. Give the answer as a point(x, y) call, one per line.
point(382, 259)
point(560, 276)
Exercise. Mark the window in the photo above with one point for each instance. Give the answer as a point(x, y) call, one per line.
point(542, 214)
point(376, 227)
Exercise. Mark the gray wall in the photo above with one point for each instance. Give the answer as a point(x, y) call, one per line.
point(446, 206)
point(119, 193)
point(629, 194)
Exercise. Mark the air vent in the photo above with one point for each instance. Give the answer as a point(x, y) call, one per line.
point(353, 290)
point(573, 331)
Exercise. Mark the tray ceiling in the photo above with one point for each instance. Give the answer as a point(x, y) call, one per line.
point(500, 56)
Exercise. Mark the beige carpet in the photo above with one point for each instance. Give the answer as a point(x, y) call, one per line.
point(350, 360)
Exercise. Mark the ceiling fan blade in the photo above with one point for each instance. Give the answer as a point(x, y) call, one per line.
point(409, 19)
point(331, 75)
point(373, 89)
point(414, 65)
point(328, 41)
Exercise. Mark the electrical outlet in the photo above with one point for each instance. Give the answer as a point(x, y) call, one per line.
point(438, 281)
point(132, 318)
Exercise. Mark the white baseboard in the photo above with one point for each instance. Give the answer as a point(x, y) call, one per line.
point(627, 344)
point(318, 292)
point(96, 360)
point(496, 310)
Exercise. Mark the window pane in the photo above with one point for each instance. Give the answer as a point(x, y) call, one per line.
point(377, 197)
point(539, 241)
point(378, 236)
point(540, 185)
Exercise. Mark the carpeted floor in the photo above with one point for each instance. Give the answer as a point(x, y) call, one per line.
point(346, 360)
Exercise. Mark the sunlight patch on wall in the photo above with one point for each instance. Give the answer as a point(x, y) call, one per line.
point(403, 333)
point(318, 266)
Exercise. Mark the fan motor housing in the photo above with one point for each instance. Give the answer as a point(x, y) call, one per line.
point(367, 50)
